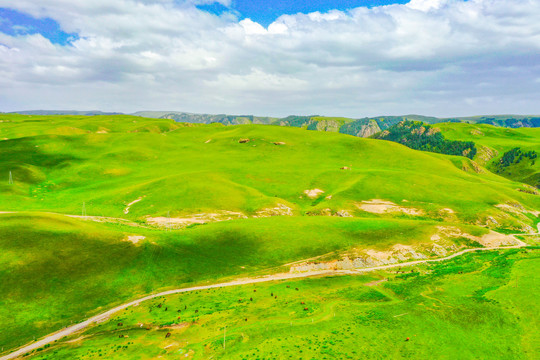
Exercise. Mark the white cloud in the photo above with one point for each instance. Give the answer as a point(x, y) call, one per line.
point(426, 5)
point(252, 28)
point(440, 57)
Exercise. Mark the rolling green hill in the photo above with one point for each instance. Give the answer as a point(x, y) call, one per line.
point(163, 167)
point(98, 210)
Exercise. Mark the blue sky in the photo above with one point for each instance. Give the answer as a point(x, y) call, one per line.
point(17, 23)
point(430, 57)
point(266, 11)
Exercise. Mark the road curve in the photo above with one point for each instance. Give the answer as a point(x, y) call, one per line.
point(285, 276)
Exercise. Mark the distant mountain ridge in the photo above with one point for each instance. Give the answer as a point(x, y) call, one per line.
point(362, 127)
point(64, 112)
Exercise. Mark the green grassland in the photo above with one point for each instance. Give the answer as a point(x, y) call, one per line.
point(57, 269)
point(59, 163)
point(492, 142)
point(480, 306)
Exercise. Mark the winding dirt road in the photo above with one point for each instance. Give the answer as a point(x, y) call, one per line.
point(285, 276)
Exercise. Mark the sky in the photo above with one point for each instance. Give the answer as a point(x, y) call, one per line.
point(275, 58)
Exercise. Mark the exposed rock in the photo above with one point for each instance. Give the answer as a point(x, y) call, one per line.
point(343, 213)
point(243, 141)
point(279, 143)
point(485, 154)
point(370, 129)
point(279, 210)
point(439, 250)
point(368, 258)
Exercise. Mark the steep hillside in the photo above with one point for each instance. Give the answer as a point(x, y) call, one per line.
point(419, 136)
point(499, 149)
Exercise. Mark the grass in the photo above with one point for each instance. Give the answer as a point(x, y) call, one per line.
point(56, 270)
point(478, 306)
point(198, 169)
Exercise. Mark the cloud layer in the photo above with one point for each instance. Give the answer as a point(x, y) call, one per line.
point(436, 57)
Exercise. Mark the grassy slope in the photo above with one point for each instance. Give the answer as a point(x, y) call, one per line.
point(481, 306)
point(204, 168)
point(56, 269)
point(60, 162)
point(501, 140)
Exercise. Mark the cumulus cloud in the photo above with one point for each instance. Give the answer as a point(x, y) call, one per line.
point(439, 57)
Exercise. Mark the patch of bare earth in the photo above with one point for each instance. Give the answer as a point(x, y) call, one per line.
point(104, 219)
point(494, 239)
point(135, 239)
point(314, 193)
point(188, 220)
point(491, 239)
point(378, 206)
